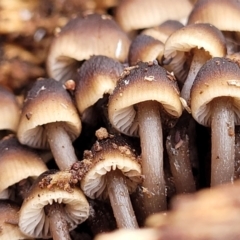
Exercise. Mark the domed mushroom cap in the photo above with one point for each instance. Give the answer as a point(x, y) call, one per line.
point(10, 111)
point(145, 48)
point(47, 102)
point(49, 188)
point(212, 12)
point(82, 38)
point(219, 77)
point(138, 14)
point(106, 155)
point(201, 35)
point(9, 215)
point(96, 77)
point(18, 162)
point(164, 30)
point(143, 83)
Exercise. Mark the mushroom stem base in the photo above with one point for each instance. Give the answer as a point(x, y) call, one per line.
point(199, 58)
point(58, 225)
point(61, 145)
point(150, 131)
point(223, 141)
point(120, 200)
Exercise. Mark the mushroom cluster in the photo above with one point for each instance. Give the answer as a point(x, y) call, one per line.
point(115, 115)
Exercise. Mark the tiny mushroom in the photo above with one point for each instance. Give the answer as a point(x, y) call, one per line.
point(215, 102)
point(17, 163)
point(111, 169)
point(203, 41)
point(10, 111)
point(96, 79)
point(206, 11)
point(138, 14)
point(164, 30)
point(134, 109)
point(53, 207)
point(82, 38)
point(49, 118)
point(145, 48)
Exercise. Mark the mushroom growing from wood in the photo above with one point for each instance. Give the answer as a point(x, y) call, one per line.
point(142, 94)
point(215, 102)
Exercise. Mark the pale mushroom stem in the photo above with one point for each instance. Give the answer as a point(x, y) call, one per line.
point(58, 224)
point(61, 145)
point(223, 141)
point(199, 58)
point(180, 164)
point(150, 132)
point(120, 200)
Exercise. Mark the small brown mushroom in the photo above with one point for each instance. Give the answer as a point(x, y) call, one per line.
point(215, 102)
point(204, 41)
point(82, 38)
point(134, 109)
point(211, 11)
point(137, 14)
point(17, 163)
point(49, 118)
point(164, 30)
point(10, 111)
point(96, 79)
point(145, 49)
point(111, 169)
point(53, 207)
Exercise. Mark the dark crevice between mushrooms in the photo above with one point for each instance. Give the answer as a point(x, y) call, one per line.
point(181, 149)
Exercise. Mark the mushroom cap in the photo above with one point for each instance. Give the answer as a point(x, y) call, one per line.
point(164, 30)
point(143, 83)
point(138, 14)
point(107, 155)
point(47, 102)
point(10, 111)
point(33, 220)
point(18, 162)
point(145, 48)
point(96, 77)
point(9, 214)
point(199, 35)
point(206, 11)
point(219, 77)
point(82, 38)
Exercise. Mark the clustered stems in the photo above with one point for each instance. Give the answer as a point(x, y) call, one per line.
point(150, 131)
point(120, 200)
point(57, 221)
point(223, 141)
point(61, 145)
point(179, 159)
point(199, 58)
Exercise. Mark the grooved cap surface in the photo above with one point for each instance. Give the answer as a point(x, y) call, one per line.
point(145, 82)
point(219, 77)
point(82, 38)
point(47, 102)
